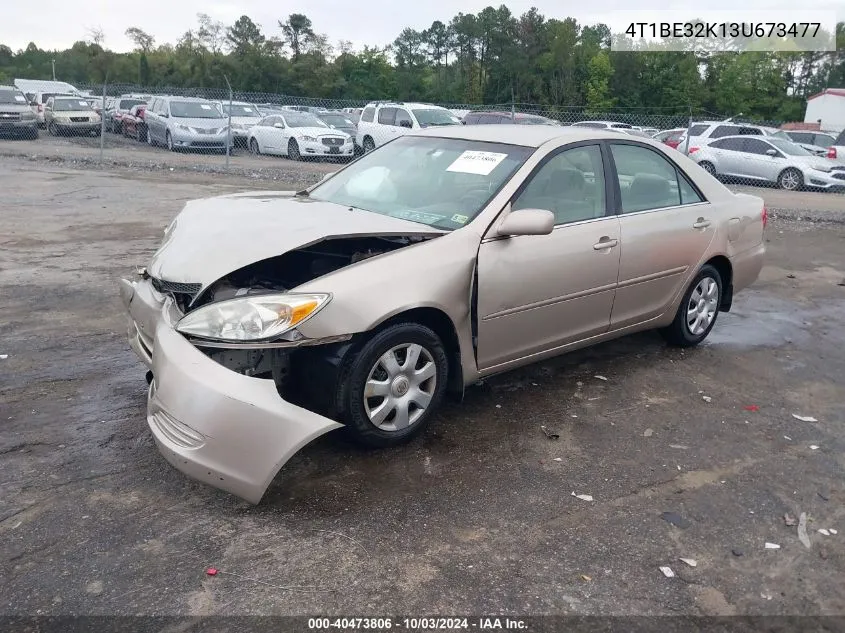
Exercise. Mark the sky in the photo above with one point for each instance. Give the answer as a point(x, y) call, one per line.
point(57, 24)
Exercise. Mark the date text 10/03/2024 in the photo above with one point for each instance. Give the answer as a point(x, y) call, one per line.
point(491, 623)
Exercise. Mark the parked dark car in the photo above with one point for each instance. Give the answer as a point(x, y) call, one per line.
point(133, 125)
point(496, 118)
point(119, 108)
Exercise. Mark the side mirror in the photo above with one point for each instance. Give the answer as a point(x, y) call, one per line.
point(406, 123)
point(771, 152)
point(165, 115)
point(527, 222)
point(280, 126)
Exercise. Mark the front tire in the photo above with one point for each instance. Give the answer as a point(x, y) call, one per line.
point(699, 308)
point(169, 141)
point(52, 129)
point(389, 390)
point(791, 179)
point(369, 144)
point(253, 147)
point(293, 150)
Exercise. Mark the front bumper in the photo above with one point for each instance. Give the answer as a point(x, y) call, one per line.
point(825, 180)
point(199, 141)
point(231, 431)
point(78, 126)
point(317, 148)
point(20, 125)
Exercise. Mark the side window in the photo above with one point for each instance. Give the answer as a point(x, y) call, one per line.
point(49, 104)
point(733, 144)
point(688, 194)
point(724, 130)
point(367, 115)
point(402, 115)
point(750, 131)
point(697, 130)
point(570, 185)
point(756, 146)
point(471, 119)
point(823, 140)
point(801, 137)
point(387, 116)
point(647, 180)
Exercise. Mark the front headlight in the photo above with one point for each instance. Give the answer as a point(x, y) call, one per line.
point(309, 139)
point(251, 318)
point(62, 119)
point(94, 118)
point(820, 167)
point(183, 128)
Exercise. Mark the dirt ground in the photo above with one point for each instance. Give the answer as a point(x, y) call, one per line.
point(476, 516)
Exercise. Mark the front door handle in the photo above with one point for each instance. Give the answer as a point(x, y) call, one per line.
point(701, 223)
point(605, 243)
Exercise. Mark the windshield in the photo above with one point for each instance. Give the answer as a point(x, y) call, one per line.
point(534, 120)
point(66, 105)
point(429, 117)
point(194, 110)
point(12, 96)
point(126, 104)
point(241, 110)
point(439, 182)
point(337, 120)
point(788, 147)
point(781, 135)
point(303, 119)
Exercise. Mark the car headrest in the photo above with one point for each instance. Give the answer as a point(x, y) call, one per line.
point(566, 183)
point(648, 188)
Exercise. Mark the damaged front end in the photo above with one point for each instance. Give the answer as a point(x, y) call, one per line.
point(224, 407)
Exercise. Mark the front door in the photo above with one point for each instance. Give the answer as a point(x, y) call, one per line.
point(541, 292)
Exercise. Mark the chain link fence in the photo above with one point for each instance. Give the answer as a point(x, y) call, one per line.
point(222, 130)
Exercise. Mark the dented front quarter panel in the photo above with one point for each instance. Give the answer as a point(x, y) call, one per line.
point(437, 273)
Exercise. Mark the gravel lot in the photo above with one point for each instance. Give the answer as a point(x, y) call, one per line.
point(474, 517)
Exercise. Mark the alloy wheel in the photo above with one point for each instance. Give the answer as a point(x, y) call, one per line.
point(703, 305)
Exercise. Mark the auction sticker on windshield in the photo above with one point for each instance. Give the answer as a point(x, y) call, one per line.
point(473, 162)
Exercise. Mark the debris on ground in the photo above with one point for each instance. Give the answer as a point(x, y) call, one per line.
point(772, 546)
point(211, 571)
point(832, 531)
point(667, 571)
point(766, 596)
point(824, 532)
point(824, 496)
point(814, 447)
point(549, 434)
point(558, 459)
point(751, 407)
point(675, 519)
point(689, 561)
point(600, 378)
point(790, 276)
point(648, 433)
point(789, 520)
point(802, 530)
point(707, 398)
point(804, 418)
point(786, 437)
point(582, 497)
point(498, 406)
point(4, 356)
point(737, 552)
point(680, 447)
point(586, 577)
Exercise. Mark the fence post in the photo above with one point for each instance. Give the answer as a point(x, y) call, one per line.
point(513, 106)
point(103, 123)
point(689, 129)
point(229, 124)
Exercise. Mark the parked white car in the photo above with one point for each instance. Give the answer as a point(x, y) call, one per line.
point(383, 121)
point(770, 160)
point(604, 125)
point(298, 135)
point(703, 132)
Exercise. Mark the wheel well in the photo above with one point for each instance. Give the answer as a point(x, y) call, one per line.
point(723, 265)
point(795, 169)
point(442, 325)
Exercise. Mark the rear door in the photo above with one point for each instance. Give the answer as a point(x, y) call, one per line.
point(727, 156)
point(666, 226)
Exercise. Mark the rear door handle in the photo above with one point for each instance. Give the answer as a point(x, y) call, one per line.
point(605, 243)
point(701, 223)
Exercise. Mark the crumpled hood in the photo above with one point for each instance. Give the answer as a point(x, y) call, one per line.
point(212, 237)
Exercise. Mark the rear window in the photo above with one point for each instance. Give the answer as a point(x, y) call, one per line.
point(367, 115)
point(126, 104)
point(698, 129)
point(724, 130)
point(840, 140)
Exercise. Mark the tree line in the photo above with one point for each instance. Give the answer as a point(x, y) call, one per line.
point(492, 57)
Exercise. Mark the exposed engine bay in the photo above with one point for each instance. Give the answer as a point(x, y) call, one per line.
point(287, 271)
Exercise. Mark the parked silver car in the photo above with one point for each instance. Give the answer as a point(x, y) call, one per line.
point(185, 123)
point(769, 159)
point(16, 117)
point(243, 116)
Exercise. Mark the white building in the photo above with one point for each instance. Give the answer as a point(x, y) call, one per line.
point(827, 107)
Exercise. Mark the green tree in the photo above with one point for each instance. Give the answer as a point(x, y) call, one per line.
point(297, 31)
point(599, 73)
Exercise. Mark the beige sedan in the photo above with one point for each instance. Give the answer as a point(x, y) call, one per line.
point(443, 257)
point(66, 115)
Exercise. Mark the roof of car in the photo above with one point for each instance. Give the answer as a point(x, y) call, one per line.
point(526, 135)
point(405, 104)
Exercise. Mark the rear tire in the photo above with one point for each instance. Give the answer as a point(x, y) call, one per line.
point(698, 310)
point(409, 389)
point(369, 144)
point(253, 147)
point(168, 139)
point(52, 129)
